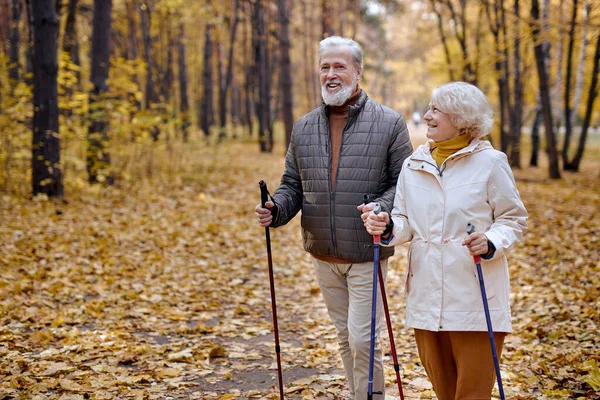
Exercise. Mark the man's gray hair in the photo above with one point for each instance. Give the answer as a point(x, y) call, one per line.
point(338, 41)
point(468, 108)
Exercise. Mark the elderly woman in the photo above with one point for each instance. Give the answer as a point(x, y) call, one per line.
point(452, 180)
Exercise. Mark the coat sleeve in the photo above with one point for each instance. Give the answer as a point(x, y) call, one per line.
point(510, 216)
point(402, 232)
point(400, 148)
point(288, 196)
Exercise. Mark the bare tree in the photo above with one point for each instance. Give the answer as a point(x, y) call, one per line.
point(70, 40)
point(553, 169)
point(183, 83)
point(285, 74)
point(567, 94)
point(98, 157)
point(495, 23)
point(587, 9)
point(326, 19)
point(265, 135)
point(150, 97)
point(15, 40)
point(593, 93)
point(206, 116)
point(45, 158)
point(226, 83)
point(516, 119)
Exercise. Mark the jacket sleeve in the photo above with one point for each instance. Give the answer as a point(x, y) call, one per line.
point(401, 232)
point(288, 196)
point(510, 216)
point(400, 148)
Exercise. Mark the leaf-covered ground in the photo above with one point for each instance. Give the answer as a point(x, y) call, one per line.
point(160, 291)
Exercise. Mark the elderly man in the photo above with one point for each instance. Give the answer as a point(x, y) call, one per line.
point(348, 147)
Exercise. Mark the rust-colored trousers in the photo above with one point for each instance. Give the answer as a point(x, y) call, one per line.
point(459, 364)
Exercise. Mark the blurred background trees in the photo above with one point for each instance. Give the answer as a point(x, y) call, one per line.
point(95, 90)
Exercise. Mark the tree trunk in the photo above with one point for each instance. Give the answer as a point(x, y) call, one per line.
point(5, 18)
point(15, 41)
point(29, 52)
point(557, 84)
point(440, 26)
point(495, 21)
point(70, 40)
point(184, 107)
point(167, 84)
point(356, 18)
point(567, 94)
point(517, 113)
point(262, 66)
point(341, 17)
point(315, 85)
point(535, 134)
point(593, 92)
point(553, 169)
point(98, 158)
point(326, 19)
point(587, 8)
point(505, 142)
point(247, 69)
point(45, 160)
point(207, 101)
point(132, 43)
point(150, 96)
point(285, 73)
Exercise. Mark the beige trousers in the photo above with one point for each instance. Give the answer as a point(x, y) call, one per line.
point(459, 364)
point(347, 290)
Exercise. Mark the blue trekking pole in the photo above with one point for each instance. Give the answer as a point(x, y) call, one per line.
point(376, 239)
point(367, 200)
point(488, 320)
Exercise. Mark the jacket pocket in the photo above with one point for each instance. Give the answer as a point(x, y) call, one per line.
point(408, 274)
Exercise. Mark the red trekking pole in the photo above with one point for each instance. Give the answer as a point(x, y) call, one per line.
point(376, 240)
point(264, 193)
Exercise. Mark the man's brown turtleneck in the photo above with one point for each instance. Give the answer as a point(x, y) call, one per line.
point(338, 117)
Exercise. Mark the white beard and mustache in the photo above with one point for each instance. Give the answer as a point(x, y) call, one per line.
point(340, 97)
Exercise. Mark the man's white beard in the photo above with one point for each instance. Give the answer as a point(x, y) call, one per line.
point(340, 97)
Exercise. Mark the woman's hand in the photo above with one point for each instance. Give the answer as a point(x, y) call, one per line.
point(477, 243)
point(374, 223)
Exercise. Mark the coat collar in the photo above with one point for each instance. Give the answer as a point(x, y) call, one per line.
point(423, 152)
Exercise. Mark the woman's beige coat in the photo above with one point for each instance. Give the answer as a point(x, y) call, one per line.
point(432, 207)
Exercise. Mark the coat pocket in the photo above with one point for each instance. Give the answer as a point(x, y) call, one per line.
point(408, 273)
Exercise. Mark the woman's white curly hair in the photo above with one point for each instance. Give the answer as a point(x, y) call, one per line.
point(469, 109)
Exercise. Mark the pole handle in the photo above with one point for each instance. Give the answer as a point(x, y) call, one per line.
point(264, 193)
point(470, 228)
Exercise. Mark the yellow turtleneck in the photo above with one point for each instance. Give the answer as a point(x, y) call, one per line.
point(445, 149)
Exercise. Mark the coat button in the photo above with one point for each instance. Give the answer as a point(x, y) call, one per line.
point(441, 327)
point(408, 165)
point(422, 167)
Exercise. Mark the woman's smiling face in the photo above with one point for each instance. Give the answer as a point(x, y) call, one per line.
point(439, 125)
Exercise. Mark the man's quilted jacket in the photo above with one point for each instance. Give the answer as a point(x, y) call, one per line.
point(375, 143)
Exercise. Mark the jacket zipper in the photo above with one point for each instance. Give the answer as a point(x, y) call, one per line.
point(332, 191)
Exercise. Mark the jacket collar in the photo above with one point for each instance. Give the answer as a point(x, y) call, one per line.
point(423, 152)
point(353, 110)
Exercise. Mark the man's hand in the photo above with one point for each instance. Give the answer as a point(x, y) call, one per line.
point(374, 223)
point(264, 215)
point(477, 243)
